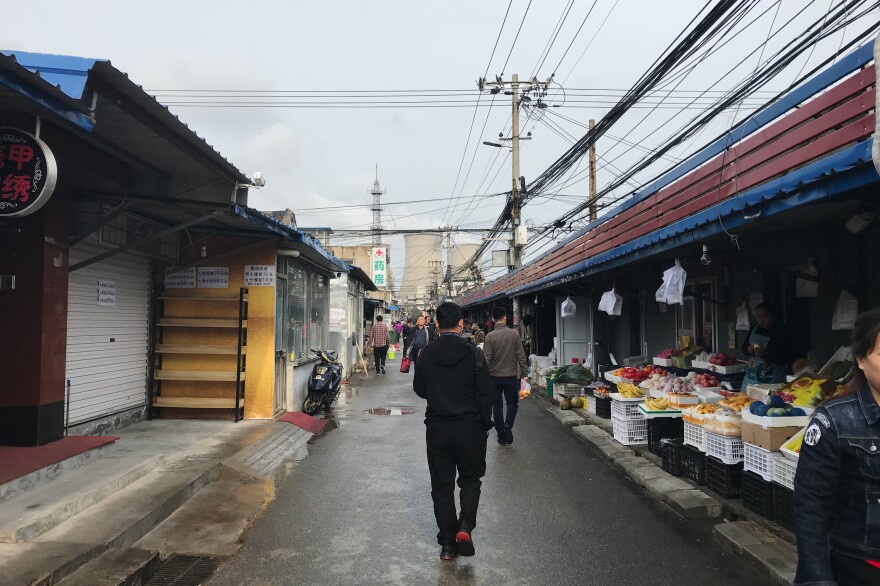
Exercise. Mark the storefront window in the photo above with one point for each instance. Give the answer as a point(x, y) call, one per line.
point(297, 295)
point(318, 311)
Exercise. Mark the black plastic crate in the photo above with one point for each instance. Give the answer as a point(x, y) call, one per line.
point(603, 407)
point(693, 464)
point(725, 479)
point(783, 499)
point(660, 428)
point(757, 495)
point(670, 452)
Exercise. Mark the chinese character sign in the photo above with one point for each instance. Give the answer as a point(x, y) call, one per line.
point(28, 173)
point(106, 293)
point(259, 275)
point(379, 266)
point(181, 279)
point(213, 277)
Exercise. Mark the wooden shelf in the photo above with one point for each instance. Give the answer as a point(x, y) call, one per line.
point(200, 298)
point(198, 375)
point(186, 322)
point(199, 349)
point(195, 402)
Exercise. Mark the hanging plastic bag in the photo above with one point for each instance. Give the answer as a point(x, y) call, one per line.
point(743, 321)
point(845, 312)
point(672, 289)
point(567, 308)
point(611, 303)
point(805, 288)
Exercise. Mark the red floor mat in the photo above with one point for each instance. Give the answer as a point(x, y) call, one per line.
point(307, 422)
point(18, 462)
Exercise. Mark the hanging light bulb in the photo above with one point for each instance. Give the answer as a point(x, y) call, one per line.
point(706, 260)
point(204, 251)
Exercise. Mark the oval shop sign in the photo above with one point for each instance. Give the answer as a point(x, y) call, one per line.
point(28, 173)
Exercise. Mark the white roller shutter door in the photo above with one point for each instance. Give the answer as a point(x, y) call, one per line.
point(107, 377)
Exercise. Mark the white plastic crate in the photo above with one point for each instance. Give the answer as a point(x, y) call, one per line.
point(783, 472)
point(695, 436)
point(630, 431)
point(758, 460)
point(727, 449)
point(591, 404)
point(626, 409)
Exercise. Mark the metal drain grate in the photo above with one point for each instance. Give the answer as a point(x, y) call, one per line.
point(185, 570)
point(391, 411)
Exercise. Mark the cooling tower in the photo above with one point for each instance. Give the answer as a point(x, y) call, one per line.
point(460, 255)
point(422, 266)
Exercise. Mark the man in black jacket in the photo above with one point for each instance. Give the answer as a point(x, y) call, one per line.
point(419, 337)
point(453, 377)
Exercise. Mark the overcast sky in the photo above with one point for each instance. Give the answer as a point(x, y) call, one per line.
point(315, 158)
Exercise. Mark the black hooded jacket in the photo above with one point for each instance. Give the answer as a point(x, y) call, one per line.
point(454, 378)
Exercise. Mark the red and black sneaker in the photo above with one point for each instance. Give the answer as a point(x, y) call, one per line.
point(447, 552)
point(465, 542)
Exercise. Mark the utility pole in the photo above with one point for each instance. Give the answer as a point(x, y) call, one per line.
point(449, 292)
point(517, 183)
point(593, 206)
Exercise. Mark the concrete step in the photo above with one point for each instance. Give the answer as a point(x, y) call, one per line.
point(37, 511)
point(131, 513)
point(260, 459)
point(771, 556)
point(116, 522)
point(211, 522)
point(116, 567)
point(36, 479)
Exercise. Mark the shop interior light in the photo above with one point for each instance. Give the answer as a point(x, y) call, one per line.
point(536, 300)
point(706, 260)
point(204, 251)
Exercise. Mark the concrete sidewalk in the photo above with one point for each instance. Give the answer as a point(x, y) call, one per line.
point(166, 486)
point(767, 547)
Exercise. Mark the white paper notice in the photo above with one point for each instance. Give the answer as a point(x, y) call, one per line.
point(259, 275)
point(185, 279)
point(213, 277)
point(106, 293)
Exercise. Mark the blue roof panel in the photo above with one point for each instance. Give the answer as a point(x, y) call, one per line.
point(66, 72)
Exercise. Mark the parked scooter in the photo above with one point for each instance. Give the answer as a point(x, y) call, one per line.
point(324, 383)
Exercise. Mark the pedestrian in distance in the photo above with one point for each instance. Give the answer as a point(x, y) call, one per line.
point(453, 378)
point(506, 358)
point(837, 485)
point(479, 335)
point(380, 340)
point(419, 337)
point(407, 328)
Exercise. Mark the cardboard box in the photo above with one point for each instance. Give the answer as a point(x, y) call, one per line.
point(769, 439)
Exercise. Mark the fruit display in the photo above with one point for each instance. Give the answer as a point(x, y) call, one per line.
point(677, 385)
point(577, 403)
point(637, 375)
point(668, 353)
point(838, 369)
point(775, 407)
point(707, 381)
point(722, 359)
point(805, 391)
point(795, 443)
point(658, 405)
point(630, 391)
point(695, 413)
point(575, 374)
point(735, 404)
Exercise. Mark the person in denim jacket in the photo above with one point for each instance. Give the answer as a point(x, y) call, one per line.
point(837, 486)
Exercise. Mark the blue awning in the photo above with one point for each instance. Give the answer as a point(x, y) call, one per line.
point(839, 173)
point(393, 307)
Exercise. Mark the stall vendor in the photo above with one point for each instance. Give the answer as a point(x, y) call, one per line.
point(767, 349)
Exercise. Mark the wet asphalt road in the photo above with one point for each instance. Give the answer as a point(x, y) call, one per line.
point(358, 511)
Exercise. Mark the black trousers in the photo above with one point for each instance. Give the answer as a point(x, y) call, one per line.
point(379, 354)
point(461, 446)
point(505, 389)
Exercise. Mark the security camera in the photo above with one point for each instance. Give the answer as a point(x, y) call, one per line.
point(258, 180)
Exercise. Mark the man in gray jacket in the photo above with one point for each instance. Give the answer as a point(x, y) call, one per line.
point(506, 358)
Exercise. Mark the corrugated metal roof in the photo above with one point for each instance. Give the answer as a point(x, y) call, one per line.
point(72, 75)
point(831, 172)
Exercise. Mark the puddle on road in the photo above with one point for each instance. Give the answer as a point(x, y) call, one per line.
point(391, 410)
